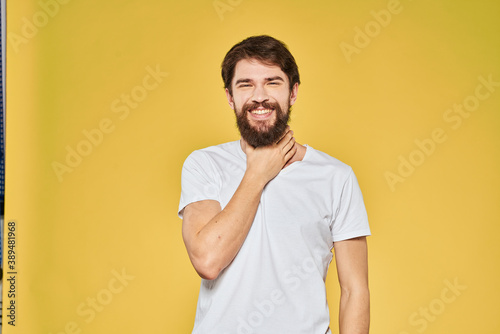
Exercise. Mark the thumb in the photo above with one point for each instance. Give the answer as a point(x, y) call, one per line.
point(249, 149)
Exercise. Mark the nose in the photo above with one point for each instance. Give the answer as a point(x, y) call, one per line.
point(260, 94)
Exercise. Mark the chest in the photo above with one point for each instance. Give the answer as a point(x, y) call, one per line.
point(297, 206)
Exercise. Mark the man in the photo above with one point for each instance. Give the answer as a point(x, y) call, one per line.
point(262, 214)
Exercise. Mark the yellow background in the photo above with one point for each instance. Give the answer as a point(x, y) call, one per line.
point(116, 210)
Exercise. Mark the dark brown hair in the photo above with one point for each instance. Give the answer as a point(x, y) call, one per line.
point(265, 49)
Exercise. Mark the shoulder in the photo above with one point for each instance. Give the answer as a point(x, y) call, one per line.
point(323, 160)
point(213, 152)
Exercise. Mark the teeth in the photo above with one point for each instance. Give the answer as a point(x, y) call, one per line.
point(261, 112)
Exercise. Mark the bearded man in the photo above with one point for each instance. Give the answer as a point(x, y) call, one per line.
point(262, 215)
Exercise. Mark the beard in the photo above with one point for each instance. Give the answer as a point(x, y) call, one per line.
point(262, 134)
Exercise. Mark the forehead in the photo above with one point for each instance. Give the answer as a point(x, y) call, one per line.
point(255, 70)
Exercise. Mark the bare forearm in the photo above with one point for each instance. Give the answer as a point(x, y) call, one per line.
point(218, 242)
point(354, 314)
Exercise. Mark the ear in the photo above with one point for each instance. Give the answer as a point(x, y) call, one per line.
point(229, 99)
point(293, 93)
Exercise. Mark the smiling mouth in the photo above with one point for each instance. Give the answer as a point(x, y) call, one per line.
point(261, 111)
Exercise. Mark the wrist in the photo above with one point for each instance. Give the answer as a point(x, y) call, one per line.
point(254, 181)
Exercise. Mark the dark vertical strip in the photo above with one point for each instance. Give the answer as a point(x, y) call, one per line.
point(2, 115)
point(2, 141)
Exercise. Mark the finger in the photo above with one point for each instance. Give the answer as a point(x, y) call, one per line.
point(249, 149)
point(290, 153)
point(289, 145)
point(285, 138)
point(287, 130)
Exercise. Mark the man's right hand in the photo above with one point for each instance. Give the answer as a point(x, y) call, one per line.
point(265, 162)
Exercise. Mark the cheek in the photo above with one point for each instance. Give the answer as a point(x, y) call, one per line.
point(240, 102)
point(236, 101)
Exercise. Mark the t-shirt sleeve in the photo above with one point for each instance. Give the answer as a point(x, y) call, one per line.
point(351, 220)
point(199, 181)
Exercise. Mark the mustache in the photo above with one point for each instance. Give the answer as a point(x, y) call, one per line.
point(254, 105)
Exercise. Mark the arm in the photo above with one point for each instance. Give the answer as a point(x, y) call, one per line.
point(352, 268)
point(213, 236)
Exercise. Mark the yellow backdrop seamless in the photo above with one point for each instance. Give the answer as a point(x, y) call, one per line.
point(105, 99)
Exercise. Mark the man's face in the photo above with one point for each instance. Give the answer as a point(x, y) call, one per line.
point(261, 101)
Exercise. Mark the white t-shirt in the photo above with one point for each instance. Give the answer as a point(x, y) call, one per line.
point(276, 282)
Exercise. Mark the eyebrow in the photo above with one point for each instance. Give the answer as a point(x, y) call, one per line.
point(241, 81)
point(277, 77)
